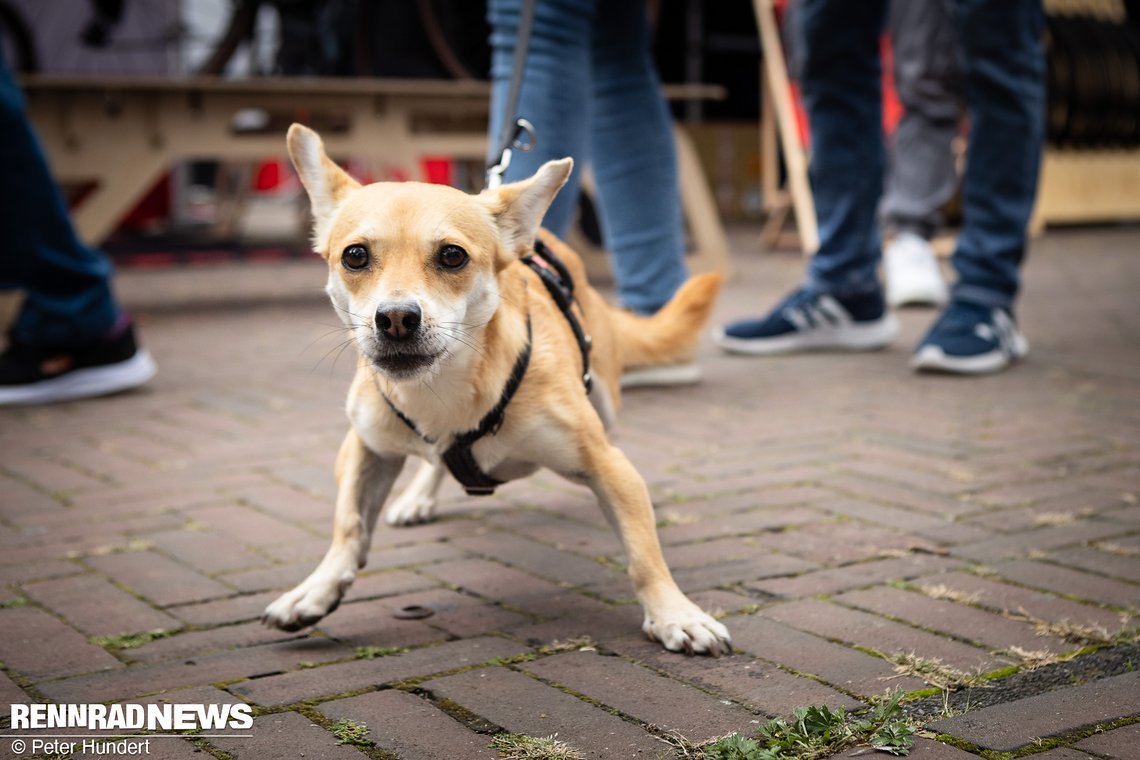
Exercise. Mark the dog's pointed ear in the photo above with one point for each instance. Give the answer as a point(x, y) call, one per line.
point(325, 182)
point(518, 208)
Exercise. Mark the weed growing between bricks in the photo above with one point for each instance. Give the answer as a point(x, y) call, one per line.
point(818, 732)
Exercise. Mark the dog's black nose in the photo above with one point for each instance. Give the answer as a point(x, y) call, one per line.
point(398, 321)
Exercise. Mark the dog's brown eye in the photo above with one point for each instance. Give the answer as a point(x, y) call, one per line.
point(355, 257)
point(452, 257)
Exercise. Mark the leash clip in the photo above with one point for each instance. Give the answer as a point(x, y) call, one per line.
point(523, 129)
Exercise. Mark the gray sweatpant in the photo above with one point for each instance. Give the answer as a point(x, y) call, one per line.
point(921, 175)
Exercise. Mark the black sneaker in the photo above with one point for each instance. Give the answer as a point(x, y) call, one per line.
point(32, 375)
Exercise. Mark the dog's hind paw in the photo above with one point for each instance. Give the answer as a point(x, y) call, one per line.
point(410, 509)
point(692, 632)
point(304, 605)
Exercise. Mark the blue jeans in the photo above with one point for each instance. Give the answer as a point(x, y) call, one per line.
point(67, 285)
point(1003, 70)
point(591, 91)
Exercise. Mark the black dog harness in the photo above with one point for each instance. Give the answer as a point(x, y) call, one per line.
point(458, 457)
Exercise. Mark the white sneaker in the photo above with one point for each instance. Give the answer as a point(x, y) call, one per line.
point(912, 273)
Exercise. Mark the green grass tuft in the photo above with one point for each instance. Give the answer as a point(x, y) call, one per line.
point(130, 640)
point(817, 732)
point(352, 733)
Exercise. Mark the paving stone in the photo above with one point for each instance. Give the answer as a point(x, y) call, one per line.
point(563, 568)
point(1043, 539)
point(1013, 725)
point(753, 523)
point(11, 694)
point(285, 736)
point(197, 643)
point(886, 636)
point(1021, 601)
point(37, 645)
point(840, 666)
point(159, 579)
point(928, 749)
point(961, 621)
point(236, 609)
point(643, 694)
point(207, 553)
point(1119, 744)
point(503, 585)
point(223, 666)
point(255, 528)
point(370, 623)
point(522, 705)
point(842, 543)
point(1064, 753)
point(361, 674)
point(410, 726)
point(832, 580)
point(1103, 563)
point(457, 614)
point(98, 608)
point(756, 684)
point(1071, 582)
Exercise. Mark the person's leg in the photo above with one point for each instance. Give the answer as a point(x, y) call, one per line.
point(70, 339)
point(555, 94)
point(841, 306)
point(1004, 67)
point(921, 175)
point(67, 285)
point(842, 91)
point(634, 160)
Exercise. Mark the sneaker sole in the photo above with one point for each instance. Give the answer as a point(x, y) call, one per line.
point(661, 376)
point(934, 359)
point(869, 336)
point(84, 383)
point(917, 297)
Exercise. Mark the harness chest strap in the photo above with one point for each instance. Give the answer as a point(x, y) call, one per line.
point(458, 457)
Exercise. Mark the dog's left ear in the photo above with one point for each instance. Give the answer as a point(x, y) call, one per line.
point(518, 208)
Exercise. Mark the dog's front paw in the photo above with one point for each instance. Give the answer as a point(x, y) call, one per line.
point(410, 508)
point(688, 629)
point(305, 605)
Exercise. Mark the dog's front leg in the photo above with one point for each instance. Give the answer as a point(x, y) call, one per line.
point(417, 502)
point(364, 479)
point(670, 617)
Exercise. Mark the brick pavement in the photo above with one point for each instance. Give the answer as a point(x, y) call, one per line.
point(836, 510)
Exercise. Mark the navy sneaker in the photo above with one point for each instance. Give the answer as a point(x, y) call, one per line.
point(34, 375)
point(970, 339)
point(809, 321)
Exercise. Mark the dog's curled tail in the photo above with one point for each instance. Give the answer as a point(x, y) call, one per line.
point(672, 333)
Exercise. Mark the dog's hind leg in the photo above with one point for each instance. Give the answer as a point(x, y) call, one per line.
point(670, 617)
point(364, 479)
point(417, 502)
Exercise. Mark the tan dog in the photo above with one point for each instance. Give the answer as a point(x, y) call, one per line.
point(429, 281)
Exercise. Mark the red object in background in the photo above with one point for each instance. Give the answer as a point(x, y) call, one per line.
point(438, 170)
point(268, 176)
